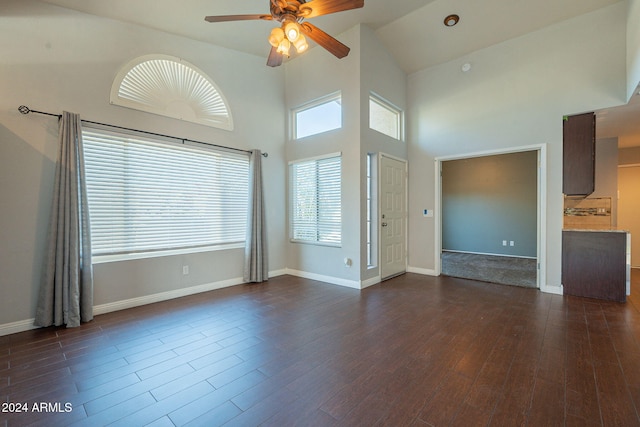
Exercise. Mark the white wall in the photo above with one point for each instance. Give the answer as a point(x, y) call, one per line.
point(380, 74)
point(515, 95)
point(55, 59)
point(368, 67)
point(315, 74)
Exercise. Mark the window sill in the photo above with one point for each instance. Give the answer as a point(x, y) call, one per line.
point(103, 259)
point(308, 242)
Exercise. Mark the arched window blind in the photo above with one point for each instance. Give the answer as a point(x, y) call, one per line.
point(171, 87)
point(149, 195)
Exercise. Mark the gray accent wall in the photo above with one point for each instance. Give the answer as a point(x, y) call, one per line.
point(488, 200)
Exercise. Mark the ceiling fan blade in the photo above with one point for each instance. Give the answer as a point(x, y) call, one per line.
point(275, 58)
point(325, 40)
point(227, 18)
point(325, 7)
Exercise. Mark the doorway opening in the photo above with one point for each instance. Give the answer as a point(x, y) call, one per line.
point(491, 221)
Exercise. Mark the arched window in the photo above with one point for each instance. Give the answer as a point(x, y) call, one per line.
point(171, 87)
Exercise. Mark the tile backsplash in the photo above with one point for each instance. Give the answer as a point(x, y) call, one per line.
point(591, 214)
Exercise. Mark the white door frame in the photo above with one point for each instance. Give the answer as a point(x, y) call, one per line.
point(406, 208)
point(541, 279)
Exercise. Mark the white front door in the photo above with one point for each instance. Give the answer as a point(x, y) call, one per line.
point(393, 217)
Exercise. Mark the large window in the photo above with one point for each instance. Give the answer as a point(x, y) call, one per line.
point(319, 116)
point(315, 198)
point(148, 196)
point(384, 117)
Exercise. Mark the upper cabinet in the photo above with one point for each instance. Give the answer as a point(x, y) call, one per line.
point(579, 154)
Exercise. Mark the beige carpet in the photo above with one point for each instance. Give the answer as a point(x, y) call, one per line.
point(490, 268)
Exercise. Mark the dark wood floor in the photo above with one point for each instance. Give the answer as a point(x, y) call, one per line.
point(414, 350)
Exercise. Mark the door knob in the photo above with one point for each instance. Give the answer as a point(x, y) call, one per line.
point(384, 224)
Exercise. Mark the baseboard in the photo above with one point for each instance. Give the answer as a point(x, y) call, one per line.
point(26, 325)
point(423, 271)
point(322, 278)
point(15, 327)
point(556, 290)
point(276, 273)
point(370, 282)
point(164, 296)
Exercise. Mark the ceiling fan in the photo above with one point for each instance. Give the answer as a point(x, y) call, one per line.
point(291, 14)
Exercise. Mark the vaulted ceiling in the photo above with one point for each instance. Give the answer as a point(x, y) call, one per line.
point(412, 30)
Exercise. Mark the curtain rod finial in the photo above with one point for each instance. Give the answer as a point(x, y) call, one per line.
point(265, 154)
point(24, 109)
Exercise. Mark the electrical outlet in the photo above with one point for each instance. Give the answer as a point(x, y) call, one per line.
point(504, 243)
point(185, 270)
point(512, 243)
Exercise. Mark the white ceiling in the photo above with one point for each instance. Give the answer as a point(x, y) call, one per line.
point(622, 122)
point(416, 26)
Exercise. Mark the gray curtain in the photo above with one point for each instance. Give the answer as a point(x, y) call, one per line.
point(256, 265)
point(66, 293)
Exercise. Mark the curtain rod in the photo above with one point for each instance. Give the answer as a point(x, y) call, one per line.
point(26, 110)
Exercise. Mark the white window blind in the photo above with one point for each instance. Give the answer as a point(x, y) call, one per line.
point(315, 198)
point(147, 195)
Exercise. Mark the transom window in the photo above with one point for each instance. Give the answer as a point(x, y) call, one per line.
point(315, 200)
point(385, 117)
point(319, 116)
point(147, 195)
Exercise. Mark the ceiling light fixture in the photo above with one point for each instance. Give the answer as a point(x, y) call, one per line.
point(283, 47)
point(276, 36)
point(292, 30)
point(291, 14)
point(451, 20)
point(301, 44)
point(289, 34)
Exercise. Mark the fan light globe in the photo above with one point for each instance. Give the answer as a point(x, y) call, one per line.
point(283, 47)
point(292, 30)
point(276, 36)
point(301, 44)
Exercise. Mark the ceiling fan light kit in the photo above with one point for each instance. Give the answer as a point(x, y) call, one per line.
point(292, 31)
point(283, 47)
point(276, 36)
point(301, 44)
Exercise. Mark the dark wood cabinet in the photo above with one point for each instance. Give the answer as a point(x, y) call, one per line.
point(594, 264)
point(579, 154)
